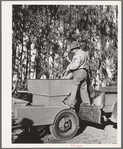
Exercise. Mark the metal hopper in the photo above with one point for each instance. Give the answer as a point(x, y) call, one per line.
point(49, 92)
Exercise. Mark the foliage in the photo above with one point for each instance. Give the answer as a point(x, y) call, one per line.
point(46, 30)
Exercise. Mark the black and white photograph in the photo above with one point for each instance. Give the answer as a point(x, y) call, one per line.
point(61, 66)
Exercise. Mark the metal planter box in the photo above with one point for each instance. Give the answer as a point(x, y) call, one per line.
point(49, 92)
point(110, 97)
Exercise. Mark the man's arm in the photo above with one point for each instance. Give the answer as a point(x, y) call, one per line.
point(68, 59)
point(74, 64)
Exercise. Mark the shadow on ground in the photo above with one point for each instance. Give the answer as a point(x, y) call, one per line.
point(84, 124)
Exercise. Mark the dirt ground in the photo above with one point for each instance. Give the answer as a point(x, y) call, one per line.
point(91, 134)
point(88, 133)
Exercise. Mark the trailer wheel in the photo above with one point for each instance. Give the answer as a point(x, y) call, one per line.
point(65, 125)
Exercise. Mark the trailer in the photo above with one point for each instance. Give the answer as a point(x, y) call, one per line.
point(43, 108)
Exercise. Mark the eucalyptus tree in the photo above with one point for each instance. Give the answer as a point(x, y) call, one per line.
point(17, 37)
point(46, 26)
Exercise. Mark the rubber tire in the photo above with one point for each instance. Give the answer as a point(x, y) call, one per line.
point(72, 132)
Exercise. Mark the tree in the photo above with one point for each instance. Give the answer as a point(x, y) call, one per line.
point(50, 28)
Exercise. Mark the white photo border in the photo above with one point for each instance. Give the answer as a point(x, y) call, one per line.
point(6, 20)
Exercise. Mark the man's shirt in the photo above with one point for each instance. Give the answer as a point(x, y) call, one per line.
point(78, 61)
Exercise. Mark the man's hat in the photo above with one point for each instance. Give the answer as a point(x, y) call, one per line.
point(74, 45)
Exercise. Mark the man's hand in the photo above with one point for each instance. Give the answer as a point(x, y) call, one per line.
point(64, 74)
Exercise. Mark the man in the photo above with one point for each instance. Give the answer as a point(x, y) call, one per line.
point(78, 67)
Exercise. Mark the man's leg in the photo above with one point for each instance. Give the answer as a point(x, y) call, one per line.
point(72, 99)
point(79, 75)
point(84, 93)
